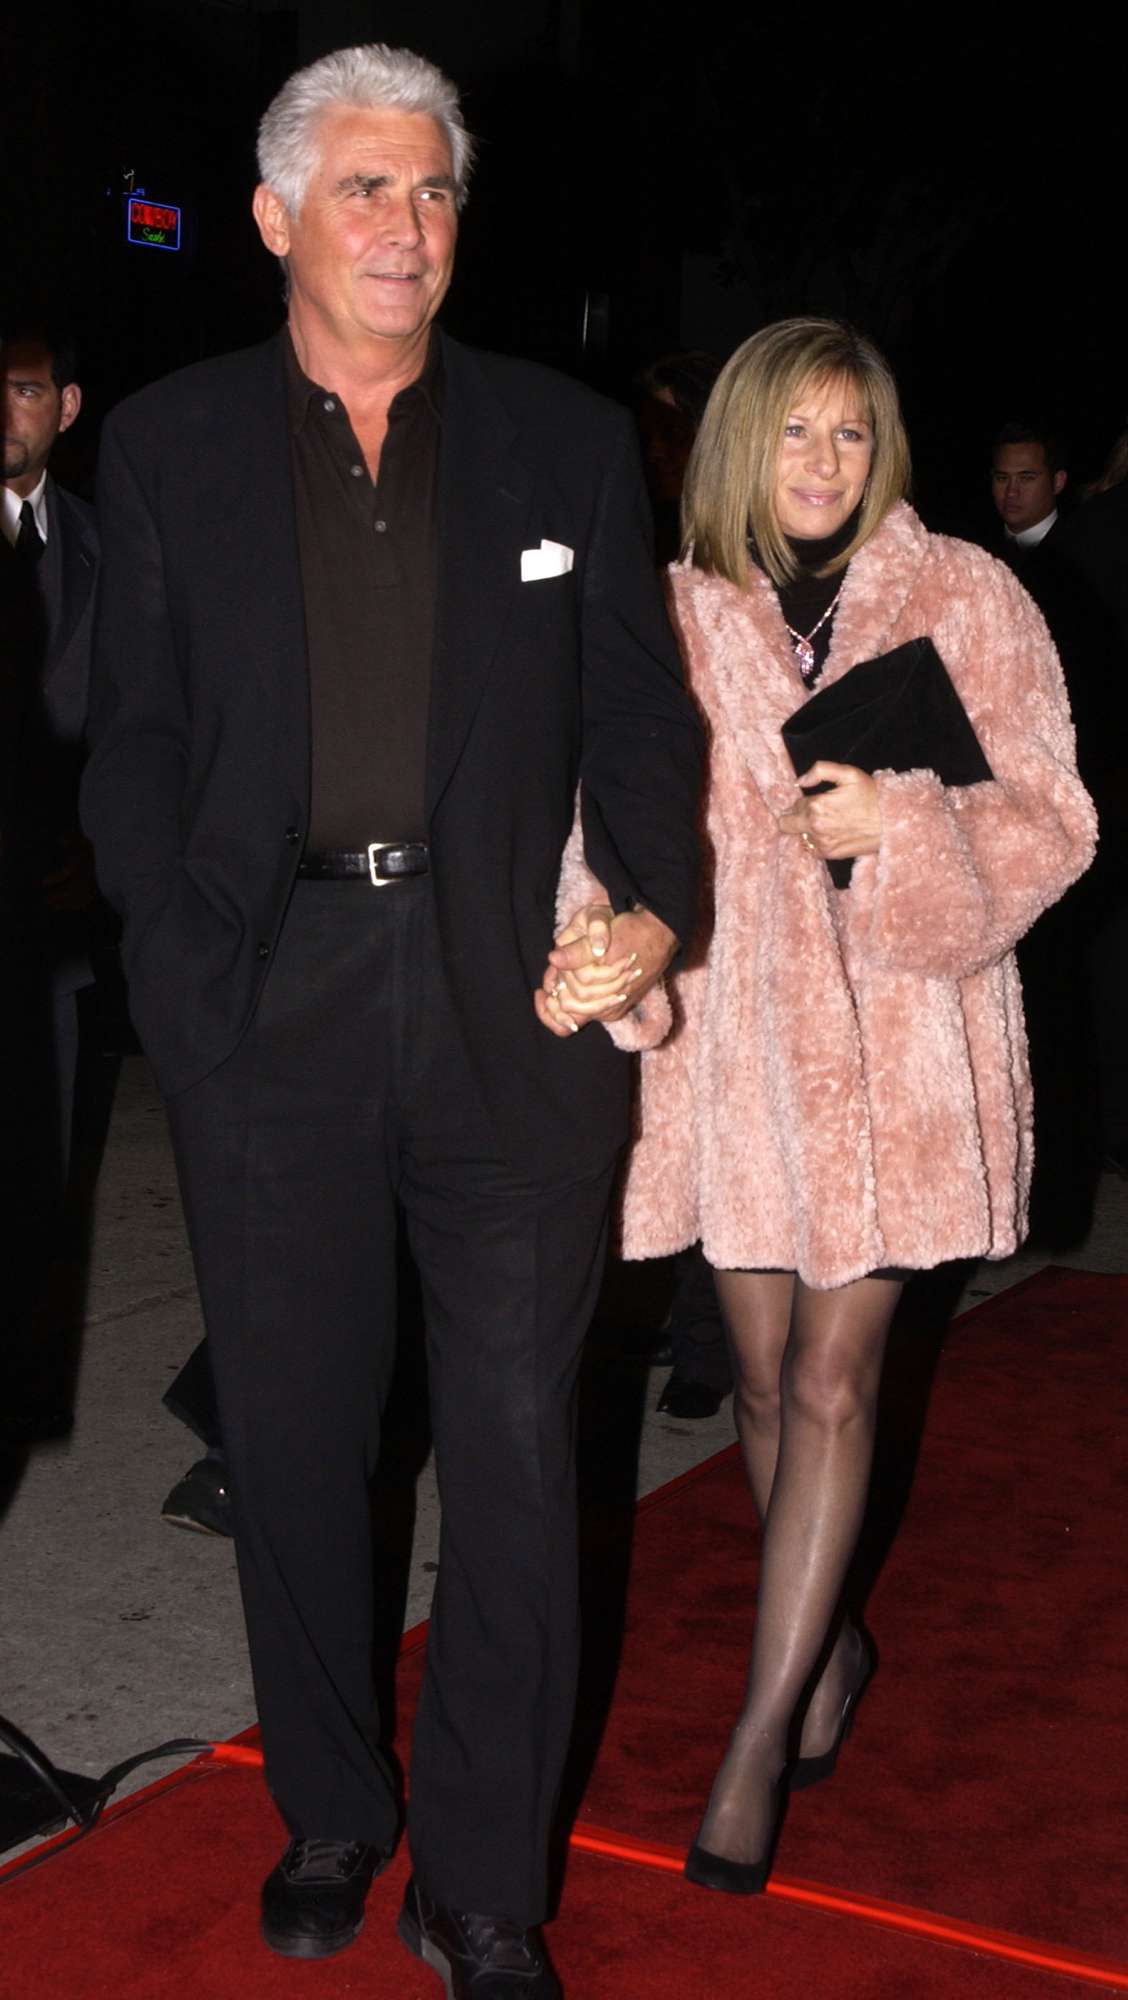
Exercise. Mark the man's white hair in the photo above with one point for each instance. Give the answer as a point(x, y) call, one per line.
point(372, 77)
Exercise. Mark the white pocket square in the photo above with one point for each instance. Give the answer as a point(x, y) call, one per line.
point(551, 559)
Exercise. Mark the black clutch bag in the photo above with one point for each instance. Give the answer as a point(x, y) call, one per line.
point(899, 712)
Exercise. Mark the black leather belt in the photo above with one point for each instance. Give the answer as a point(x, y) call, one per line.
point(379, 863)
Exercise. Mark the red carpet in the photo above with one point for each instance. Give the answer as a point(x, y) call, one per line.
point(988, 1773)
point(159, 1904)
point(987, 1778)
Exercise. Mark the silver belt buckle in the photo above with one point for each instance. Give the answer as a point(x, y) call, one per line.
point(378, 881)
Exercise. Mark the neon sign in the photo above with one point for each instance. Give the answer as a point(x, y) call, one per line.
point(152, 223)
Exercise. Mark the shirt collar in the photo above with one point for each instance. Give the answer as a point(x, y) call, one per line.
point(12, 505)
point(1029, 538)
point(300, 391)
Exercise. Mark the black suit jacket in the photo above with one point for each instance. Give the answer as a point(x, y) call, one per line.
point(197, 790)
point(47, 646)
point(1073, 579)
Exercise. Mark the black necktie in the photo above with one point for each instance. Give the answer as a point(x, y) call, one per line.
point(29, 543)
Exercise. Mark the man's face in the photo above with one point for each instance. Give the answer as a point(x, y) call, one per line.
point(1022, 486)
point(372, 249)
point(35, 411)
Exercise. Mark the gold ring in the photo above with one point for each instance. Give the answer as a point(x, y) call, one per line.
point(808, 842)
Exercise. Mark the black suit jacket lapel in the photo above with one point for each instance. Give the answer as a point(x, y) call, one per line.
point(484, 495)
point(256, 518)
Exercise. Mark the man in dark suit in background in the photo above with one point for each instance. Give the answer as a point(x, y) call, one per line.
point(375, 607)
point(1072, 962)
point(48, 900)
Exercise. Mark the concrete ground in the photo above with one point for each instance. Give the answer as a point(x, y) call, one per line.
point(120, 1632)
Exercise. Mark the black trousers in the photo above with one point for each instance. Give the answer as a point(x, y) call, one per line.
point(351, 1093)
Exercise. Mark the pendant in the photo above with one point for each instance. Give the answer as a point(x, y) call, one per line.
point(805, 654)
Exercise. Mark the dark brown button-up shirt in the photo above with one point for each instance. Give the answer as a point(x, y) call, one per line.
point(369, 562)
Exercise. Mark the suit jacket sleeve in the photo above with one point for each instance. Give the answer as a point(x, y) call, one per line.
point(641, 757)
point(133, 787)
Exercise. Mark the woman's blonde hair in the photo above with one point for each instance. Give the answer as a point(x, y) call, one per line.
point(730, 482)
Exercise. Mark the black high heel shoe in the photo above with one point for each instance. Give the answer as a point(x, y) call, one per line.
point(735, 1878)
point(808, 1771)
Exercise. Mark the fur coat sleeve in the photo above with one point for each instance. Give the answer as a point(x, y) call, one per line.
point(964, 871)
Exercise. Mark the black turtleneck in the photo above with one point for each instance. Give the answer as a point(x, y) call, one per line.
point(804, 600)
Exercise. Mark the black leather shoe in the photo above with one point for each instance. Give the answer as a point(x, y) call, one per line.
point(476, 1957)
point(202, 1499)
point(313, 1902)
point(684, 1398)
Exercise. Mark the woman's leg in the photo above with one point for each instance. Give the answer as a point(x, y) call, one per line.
point(813, 1493)
point(756, 1307)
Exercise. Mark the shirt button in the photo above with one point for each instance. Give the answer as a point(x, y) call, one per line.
point(357, 471)
point(264, 950)
point(381, 527)
point(329, 404)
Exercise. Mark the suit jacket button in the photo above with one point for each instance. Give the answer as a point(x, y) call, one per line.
point(292, 835)
point(264, 950)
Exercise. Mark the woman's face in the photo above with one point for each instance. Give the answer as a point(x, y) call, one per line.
point(824, 459)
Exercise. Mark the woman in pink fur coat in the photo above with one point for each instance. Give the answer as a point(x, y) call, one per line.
point(844, 1098)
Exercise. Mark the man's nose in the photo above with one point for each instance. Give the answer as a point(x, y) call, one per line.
point(399, 222)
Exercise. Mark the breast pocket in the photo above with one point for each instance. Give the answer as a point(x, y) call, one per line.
point(546, 564)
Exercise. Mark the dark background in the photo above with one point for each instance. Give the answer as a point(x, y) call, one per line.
point(953, 182)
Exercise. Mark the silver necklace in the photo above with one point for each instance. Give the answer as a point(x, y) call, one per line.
point(801, 641)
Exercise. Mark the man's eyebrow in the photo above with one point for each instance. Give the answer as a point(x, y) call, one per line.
point(367, 182)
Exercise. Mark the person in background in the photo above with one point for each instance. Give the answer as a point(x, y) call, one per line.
point(1028, 478)
point(1074, 564)
point(1094, 548)
point(670, 398)
point(845, 1097)
point(49, 906)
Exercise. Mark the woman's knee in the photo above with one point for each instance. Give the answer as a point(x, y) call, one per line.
point(828, 1388)
point(758, 1397)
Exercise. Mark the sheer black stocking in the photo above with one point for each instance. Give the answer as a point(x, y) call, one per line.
point(807, 1368)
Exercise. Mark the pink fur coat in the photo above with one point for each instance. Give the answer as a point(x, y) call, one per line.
point(846, 1085)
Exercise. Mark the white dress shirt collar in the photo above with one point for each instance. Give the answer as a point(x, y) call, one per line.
point(12, 505)
point(1029, 538)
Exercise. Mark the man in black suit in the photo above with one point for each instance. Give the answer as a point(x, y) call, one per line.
point(375, 607)
point(1093, 547)
point(1072, 962)
point(48, 564)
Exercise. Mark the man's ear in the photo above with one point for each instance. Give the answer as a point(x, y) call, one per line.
point(273, 218)
point(1059, 481)
point(70, 403)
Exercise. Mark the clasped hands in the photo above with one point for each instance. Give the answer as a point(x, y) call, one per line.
point(600, 966)
point(839, 824)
